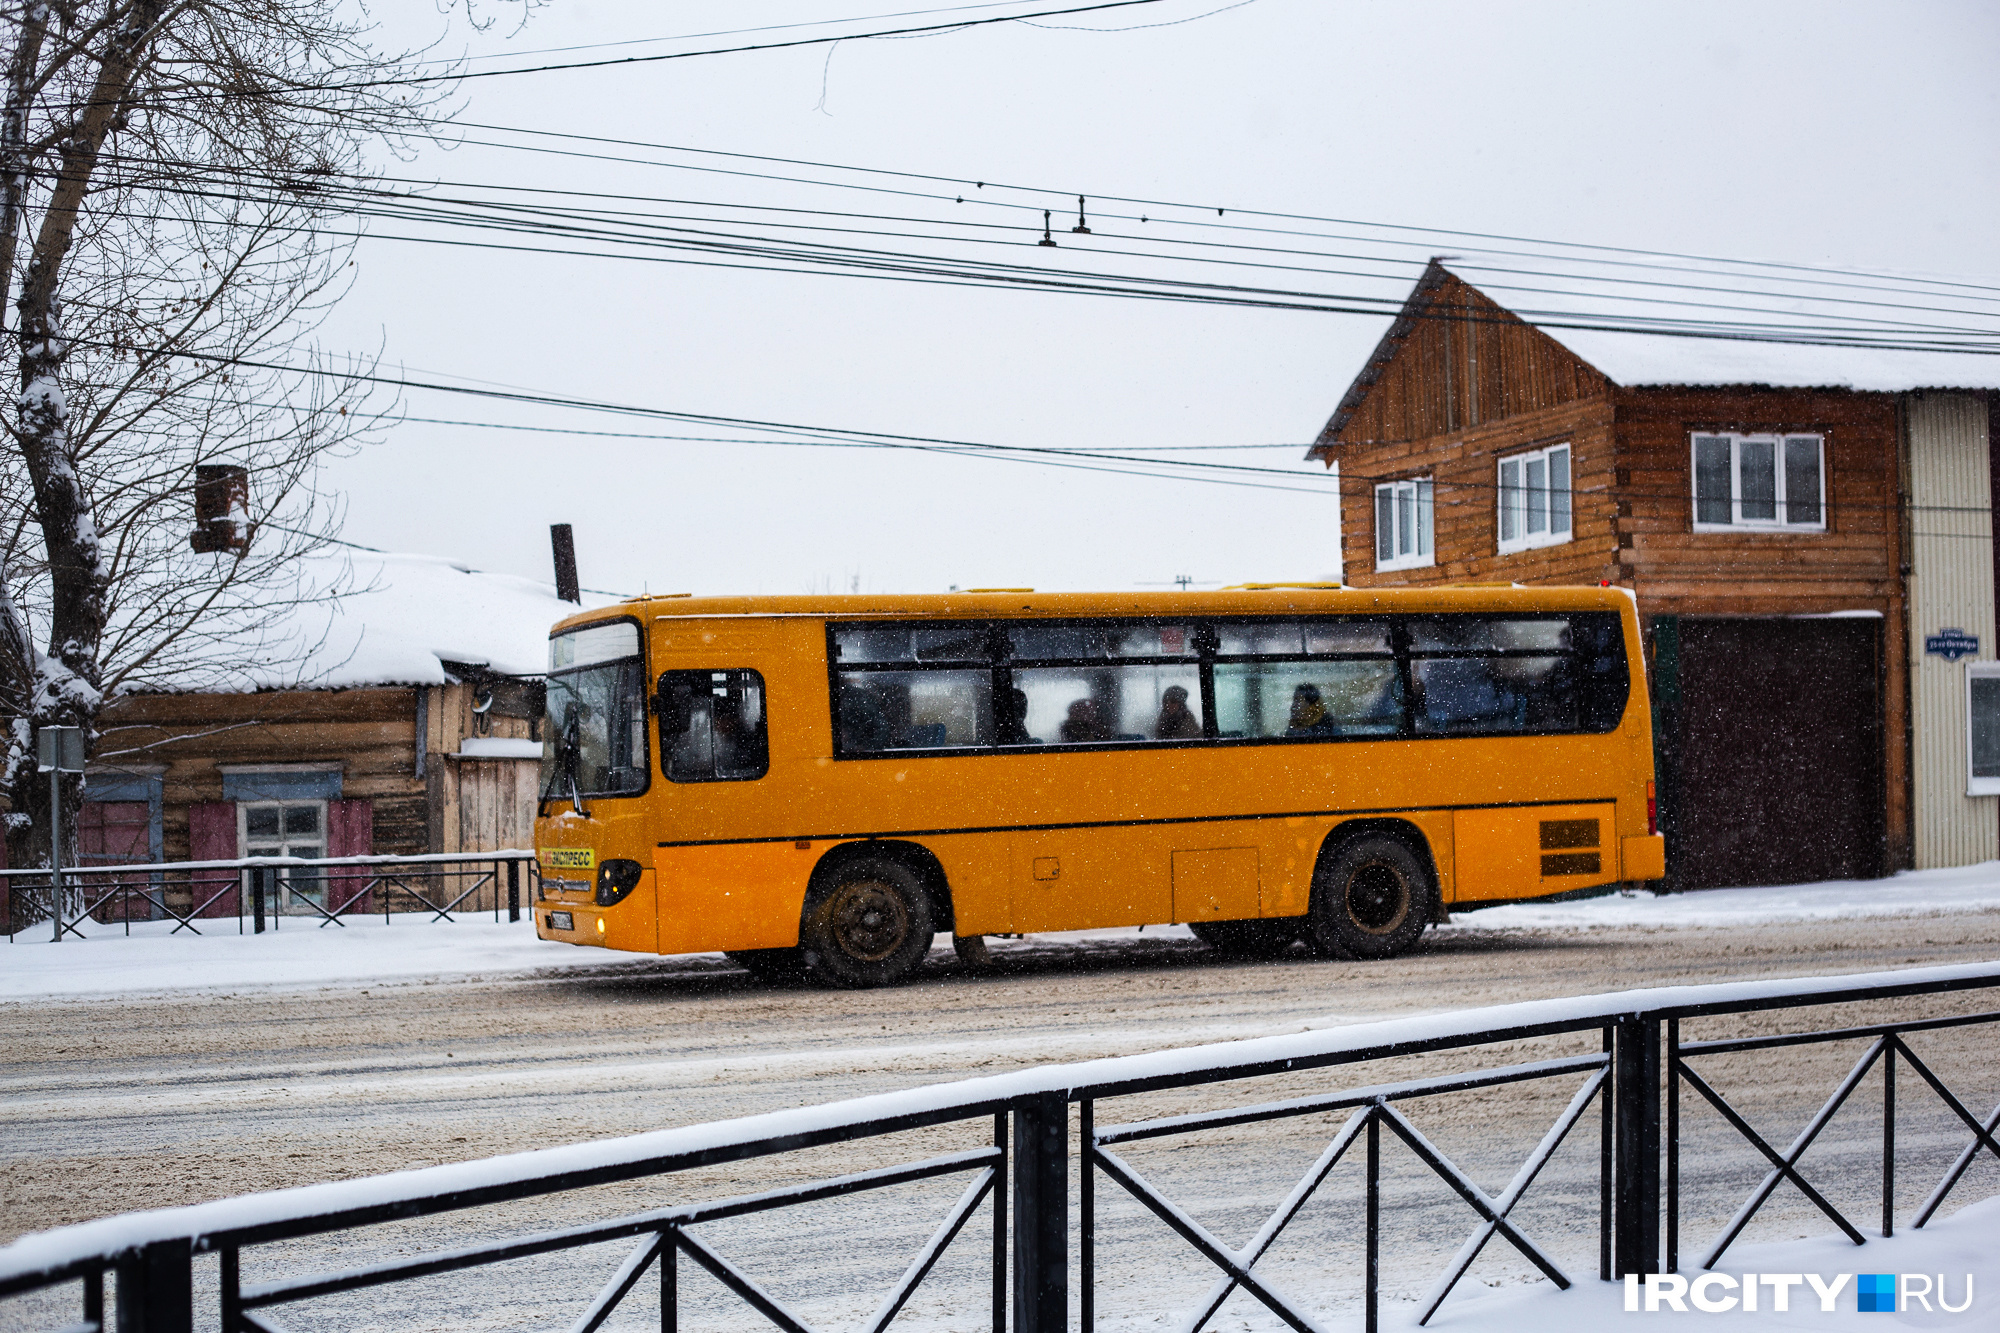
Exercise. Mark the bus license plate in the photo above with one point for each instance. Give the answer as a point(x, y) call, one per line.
point(561, 921)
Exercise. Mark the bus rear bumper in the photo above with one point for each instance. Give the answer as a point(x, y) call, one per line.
point(1643, 858)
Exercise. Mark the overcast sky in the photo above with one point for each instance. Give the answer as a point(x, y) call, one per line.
point(1855, 135)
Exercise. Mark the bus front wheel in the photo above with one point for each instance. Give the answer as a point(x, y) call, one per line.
point(1370, 899)
point(871, 926)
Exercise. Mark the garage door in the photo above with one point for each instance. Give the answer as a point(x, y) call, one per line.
point(1771, 750)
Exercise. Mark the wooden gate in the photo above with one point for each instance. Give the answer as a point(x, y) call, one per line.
point(1769, 736)
point(496, 804)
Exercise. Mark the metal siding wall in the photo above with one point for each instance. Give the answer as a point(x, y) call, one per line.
point(1951, 586)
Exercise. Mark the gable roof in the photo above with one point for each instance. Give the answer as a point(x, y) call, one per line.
point(1659, 324)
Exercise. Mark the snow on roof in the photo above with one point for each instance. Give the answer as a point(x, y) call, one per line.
point(402, 619)
point(1694, 297)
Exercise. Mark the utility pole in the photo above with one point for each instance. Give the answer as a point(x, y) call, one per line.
point(58, 750)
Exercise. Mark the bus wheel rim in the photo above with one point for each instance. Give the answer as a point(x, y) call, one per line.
point(1377, 898)
point(869, 920)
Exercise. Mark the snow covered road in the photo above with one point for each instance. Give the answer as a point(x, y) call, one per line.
point(168, 1073)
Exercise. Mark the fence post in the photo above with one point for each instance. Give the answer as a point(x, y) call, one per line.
point(1636, 1184)
point(513, 890)
point(257, 897)
point(156, 1288)
point(1041, 1214)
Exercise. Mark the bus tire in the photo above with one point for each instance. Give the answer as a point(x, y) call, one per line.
point(870, 926)
point(775, 966)
point(1247, 939)
point(1370, 899)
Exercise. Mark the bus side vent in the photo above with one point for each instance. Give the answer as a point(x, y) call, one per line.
point(1558, 837)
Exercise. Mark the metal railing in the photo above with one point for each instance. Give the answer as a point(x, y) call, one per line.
point(257, 893)
point(1022, 1174)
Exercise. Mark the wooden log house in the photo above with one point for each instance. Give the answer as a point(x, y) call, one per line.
point(412, 726)
point(1796, 522)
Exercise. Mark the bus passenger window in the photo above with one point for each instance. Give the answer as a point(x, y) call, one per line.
point(1497, 675)
point(880, 711)
point(1308, 699)
point(712, 726)
point(1078, 705)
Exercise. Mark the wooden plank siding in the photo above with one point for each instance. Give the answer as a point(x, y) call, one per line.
point(1464, 362)
point(461, 813)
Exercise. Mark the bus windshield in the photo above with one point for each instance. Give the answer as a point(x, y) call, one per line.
point(595, 732)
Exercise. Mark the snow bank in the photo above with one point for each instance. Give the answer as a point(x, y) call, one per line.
point(297, 955)
point(1959, 889)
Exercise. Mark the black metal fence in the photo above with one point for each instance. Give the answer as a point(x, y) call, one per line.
point(253, 894)
point(1630, 1072)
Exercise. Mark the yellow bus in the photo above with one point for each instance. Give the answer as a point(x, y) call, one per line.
point(826, 783)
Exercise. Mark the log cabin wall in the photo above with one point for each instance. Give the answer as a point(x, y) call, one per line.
point(1464, 473)
point(369, 735)
point(1854, 564)
point(1459, 384)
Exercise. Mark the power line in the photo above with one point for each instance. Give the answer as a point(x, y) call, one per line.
point(1069, 191)
point(735, 32)
point(808, 255)
point(595, 224)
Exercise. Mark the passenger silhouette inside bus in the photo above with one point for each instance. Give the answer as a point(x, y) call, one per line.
point(1084, 724)
point(1177, 721)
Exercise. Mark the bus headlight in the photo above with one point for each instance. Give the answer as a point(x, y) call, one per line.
point(615, 881)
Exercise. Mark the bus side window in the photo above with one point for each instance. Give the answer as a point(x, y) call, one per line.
point(712, 726)
point(1496, 675)
point(914, 710)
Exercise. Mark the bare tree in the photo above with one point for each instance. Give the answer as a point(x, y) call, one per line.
point(170, 237)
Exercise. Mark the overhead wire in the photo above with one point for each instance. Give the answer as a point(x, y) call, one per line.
point(434, 208)
point(653, 233)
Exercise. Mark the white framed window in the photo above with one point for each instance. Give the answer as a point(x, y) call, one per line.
point(1759, 481)
point(1982, 728)
point(286, 828)
point(1403, 524)
point(1534, 499)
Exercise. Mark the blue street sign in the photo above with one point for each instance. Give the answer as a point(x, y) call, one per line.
point(1951, 644)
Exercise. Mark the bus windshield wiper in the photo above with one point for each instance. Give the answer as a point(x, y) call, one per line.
point(569, 751)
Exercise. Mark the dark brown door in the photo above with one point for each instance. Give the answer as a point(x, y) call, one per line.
point(1779, 766)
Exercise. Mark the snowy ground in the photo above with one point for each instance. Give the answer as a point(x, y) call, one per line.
point(179, 1071)
point(410, 949)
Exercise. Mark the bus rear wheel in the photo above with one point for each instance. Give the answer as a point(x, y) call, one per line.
point(871, 926)
point(1370, 899)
